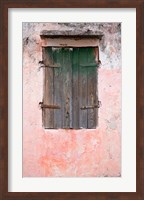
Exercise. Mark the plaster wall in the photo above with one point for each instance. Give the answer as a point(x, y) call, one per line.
point(93, 152)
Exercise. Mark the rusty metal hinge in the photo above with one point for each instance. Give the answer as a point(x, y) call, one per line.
point(49, 66)
point(48, 106)
point(91, 106)
point(88, 65)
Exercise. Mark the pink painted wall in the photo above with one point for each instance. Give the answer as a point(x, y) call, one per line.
point(71, 152)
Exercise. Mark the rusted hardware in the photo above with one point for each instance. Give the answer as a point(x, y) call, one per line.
point(53, 66)
point(49, 66)
point(99, 63)
point(48, 106)
point(41, 62)
point(89, 65)
point(92, 106)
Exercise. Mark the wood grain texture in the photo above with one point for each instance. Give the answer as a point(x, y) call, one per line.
point(72, 3)
point(67, 88)
point(92, 87)
point(83, 89)
point(75, 89)
point(4, 5)
point(87, 87)
point(71, 86)
point(58, 80)
point(48, 114)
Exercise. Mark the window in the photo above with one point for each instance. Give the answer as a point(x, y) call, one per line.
point(70, 87)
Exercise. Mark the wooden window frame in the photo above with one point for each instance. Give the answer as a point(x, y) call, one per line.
point(70, 42)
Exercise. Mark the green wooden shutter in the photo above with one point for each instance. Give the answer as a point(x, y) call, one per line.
point(75, 88)
point(70, 88)
point(67, 89)
point(57, 87)
point(48, 114)
point(88, 100)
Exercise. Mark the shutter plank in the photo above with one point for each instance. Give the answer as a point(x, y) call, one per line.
point(58, 95)
point(48, 114)
point(82, 88)
point(70, 86)
point(96, 49)
point(91, 72)
point(67, 89)
point(75, 89)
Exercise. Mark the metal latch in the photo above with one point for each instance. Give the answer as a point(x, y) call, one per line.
point(57, 65)
point(91, 106)
point(48, 106)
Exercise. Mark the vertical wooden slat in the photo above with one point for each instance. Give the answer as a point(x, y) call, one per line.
point(91, 75)
point(75, 88)
point(58, 90)
point(48, 114)
point(82, 87)
point(96, 49)
point(71, 86)
point(97, 61)
point(97, 97)
point(67, 88)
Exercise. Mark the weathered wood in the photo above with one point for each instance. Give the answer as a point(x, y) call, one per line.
point(97, 54)
point(88, 65)
point(82, 87)
point(48, 114)
point(97, 99)
point(70, 89)
point(97, 59)
point(47, 56)
point(54, 66)
point(67, 88)
point(70, 42)
point(58, 90)
point(75, 88)
point(89, 107)
point(91, 85)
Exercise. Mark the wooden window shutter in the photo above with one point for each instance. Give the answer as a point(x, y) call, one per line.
point(88, 88)
point(70, 88)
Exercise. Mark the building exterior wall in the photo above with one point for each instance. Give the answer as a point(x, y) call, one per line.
point(83, 152)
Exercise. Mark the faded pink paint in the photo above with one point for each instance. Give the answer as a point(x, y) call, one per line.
point(74, 152)
point(64, 152)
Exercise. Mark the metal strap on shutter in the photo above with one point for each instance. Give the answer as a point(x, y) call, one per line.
point(70, 88)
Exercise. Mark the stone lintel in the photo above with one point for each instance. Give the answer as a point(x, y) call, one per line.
point(75, 33)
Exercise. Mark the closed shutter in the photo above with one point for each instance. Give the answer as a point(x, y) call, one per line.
point(87, 88)
point(70, 88)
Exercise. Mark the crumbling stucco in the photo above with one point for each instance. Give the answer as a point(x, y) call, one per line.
point(67, 153)
point(110, 48)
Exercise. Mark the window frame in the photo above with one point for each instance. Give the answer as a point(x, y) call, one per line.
point(72, 43)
